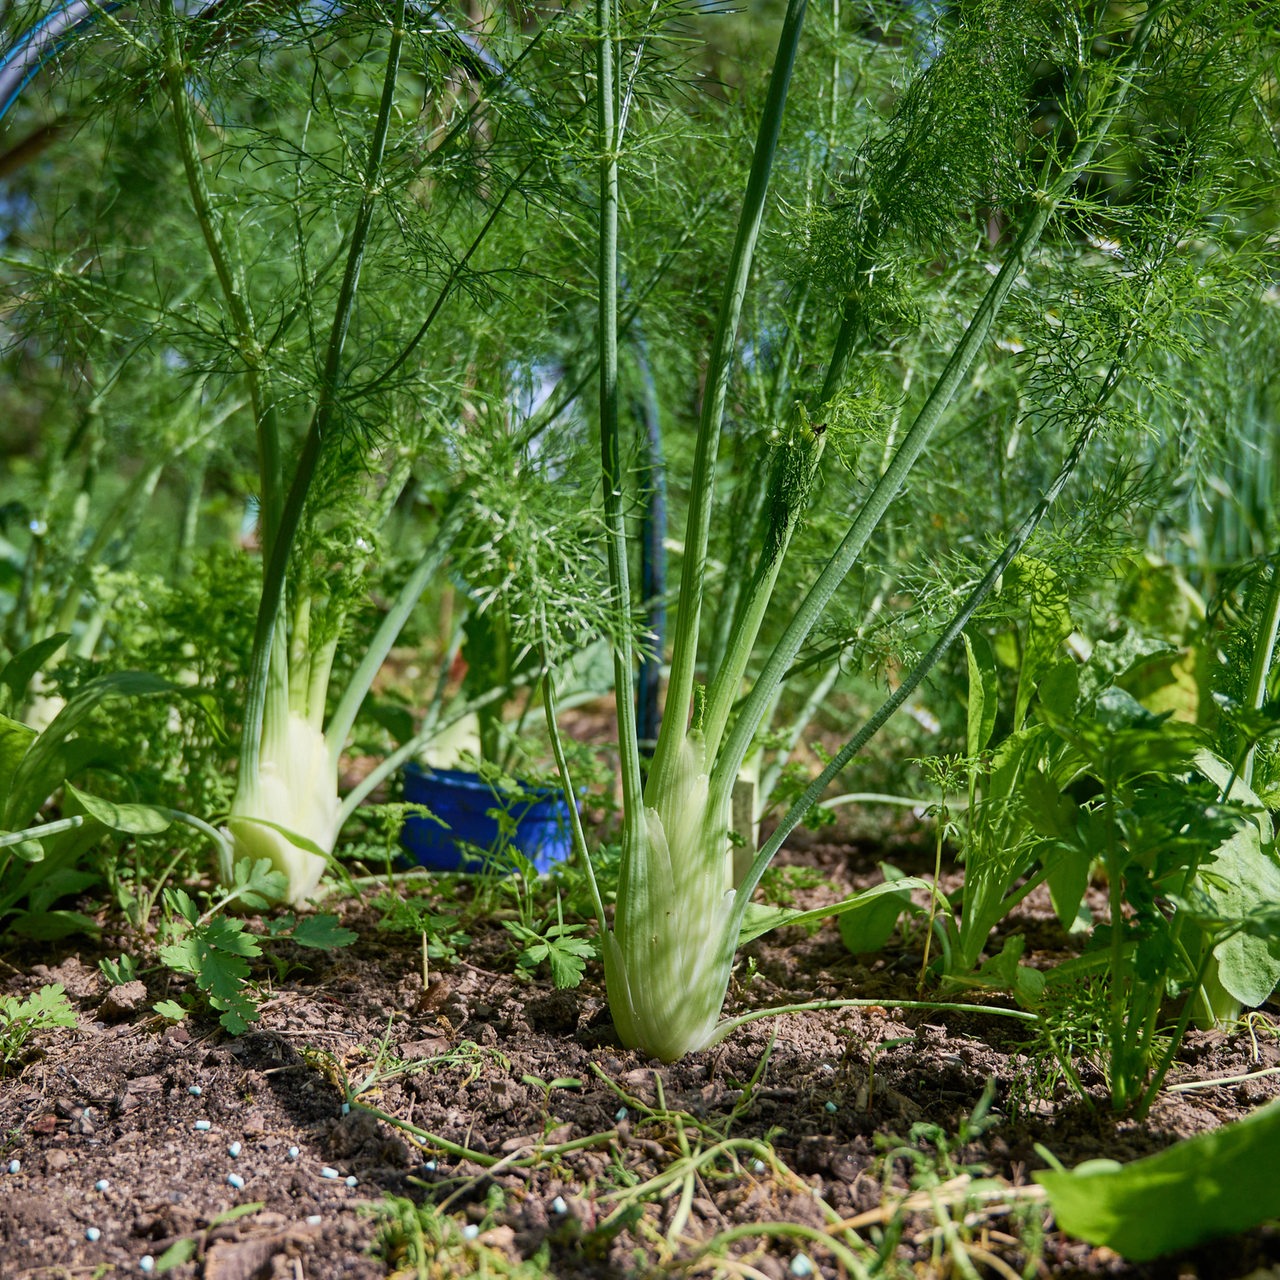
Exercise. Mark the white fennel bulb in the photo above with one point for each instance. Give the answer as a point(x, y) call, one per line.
point(294, 793)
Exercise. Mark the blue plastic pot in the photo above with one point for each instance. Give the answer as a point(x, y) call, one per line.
point(465, 802)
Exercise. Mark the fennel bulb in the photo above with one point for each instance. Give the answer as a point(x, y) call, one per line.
point(288, 809)
point(669, 955)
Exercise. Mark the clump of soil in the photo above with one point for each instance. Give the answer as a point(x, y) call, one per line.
point(530, 1130)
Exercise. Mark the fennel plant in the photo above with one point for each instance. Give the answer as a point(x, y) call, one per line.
point(958, 143)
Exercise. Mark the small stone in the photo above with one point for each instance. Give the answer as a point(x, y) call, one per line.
point(470, 1231)
point(558, 1205)
point(346, 1108)
point(195, 1090)
point(800, 1265)
point(327, 1172)
point(830, 1107)
point(92, 1234)
point(15, 1166)
point(234, 1150)
point(203, 1126)
point(146, 1263)
point(235, 1180)
point(314, 1219)
point(294, 1153)
point(620, 1114)
point(757, 1166)
point(352, 1180)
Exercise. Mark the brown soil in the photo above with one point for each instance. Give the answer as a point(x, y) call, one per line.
point(844, 1098)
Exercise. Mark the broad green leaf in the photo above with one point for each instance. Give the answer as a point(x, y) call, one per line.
point(181, 957)
point(42, 770)
point(1112, 660)
point(47, 926)
point(323, 932)
point(17, 672)
point(22, 846)
point(984, 688)
point(1219, 772)
point(129, 819)
point(170, 1010)
point(1067, 874)
point(1006, 972)
point(1215, 1184)
point(238, 1014)
point(1059, 688)
point(870, 926)
point(1051, 813)
point(15, 739)
point(760, 919)
point(1244, 875)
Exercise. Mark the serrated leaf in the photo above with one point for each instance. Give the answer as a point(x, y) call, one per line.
point(237, 1018)
point(129, 819)
point(567, 958)
point(180, 901)
point(323, 932)
point(257, 883)
point(181, 957)
point(230, 936)
point(220, 974)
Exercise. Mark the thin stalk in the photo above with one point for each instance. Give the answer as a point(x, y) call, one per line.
point(562, 765)
point(813, 793)
point(693, 567)
point(913, 444)
point(653, 557)
point(344, 714)
point(1263, 651)
point(231, 279)
point(273, 585)
point(795, 467)
point(610, 432)
point(770, 774)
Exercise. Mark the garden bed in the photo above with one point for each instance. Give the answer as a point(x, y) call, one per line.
point(793, 1124)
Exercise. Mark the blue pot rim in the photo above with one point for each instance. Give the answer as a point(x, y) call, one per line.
point(469, 780)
